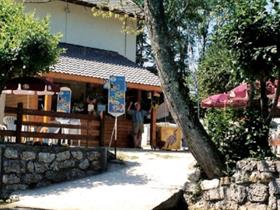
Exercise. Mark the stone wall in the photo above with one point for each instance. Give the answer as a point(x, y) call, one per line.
point(254, 186)
point(27, 166)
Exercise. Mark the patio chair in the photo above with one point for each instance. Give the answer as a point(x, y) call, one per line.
point(9, 121)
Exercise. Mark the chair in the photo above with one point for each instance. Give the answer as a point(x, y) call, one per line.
point(9, 121)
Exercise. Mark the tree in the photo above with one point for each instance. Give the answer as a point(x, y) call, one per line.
point(252, 33)
point(176, 92)
point(217, 70)
point(26, 45)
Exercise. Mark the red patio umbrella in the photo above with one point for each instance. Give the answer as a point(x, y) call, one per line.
point(215, 101)
point(237, 97)
point(30, 86)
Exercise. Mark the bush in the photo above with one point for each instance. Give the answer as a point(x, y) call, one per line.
point(238, 134)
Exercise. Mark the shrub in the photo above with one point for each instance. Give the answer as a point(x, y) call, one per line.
point(238, 134)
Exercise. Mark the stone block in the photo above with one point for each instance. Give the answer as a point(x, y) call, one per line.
point(278, 203)
point(32, 178)
point(28, 155)
point(274, 187)
point(209, 184)
point(214, 194)
point(223, 205)
point(75, 173)
point(266, 177)
point(266, 166)
point(12, 166)
point(77, 155)
point(246, 165)
point(23, 164)
point(258, 193)
point(199, 205)
point(63, 156)
point(241, 177)
point(272, 203)
point(30, 167)
point(255, 177)
point(10, 179)
point(92, 156)
point(66, 164)
point(253, 206)
point(11, 153)
point(55, 176)
point(84, 164)
point(54, 166)
point(96, 165)
point(277, 165)
point(46, 157)
point(238, 193)
point(40, 167)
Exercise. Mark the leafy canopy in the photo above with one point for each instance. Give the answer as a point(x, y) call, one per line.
point(26, 45)
point(252, 31)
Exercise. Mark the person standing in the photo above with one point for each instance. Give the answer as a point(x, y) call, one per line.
point(137, 122)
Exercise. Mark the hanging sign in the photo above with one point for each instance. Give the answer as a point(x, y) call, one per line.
point(116, 95)
point(64, 100)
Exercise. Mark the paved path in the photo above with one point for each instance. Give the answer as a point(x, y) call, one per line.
point(147, 179)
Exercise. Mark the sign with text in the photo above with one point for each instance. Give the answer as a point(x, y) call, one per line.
point(64, 100)
point(116, 95)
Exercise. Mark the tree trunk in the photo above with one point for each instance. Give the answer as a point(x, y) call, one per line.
point(179, 103)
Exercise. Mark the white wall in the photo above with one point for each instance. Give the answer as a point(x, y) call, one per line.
point(79, 26)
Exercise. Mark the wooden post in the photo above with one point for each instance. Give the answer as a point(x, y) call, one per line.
point(139, 96)
point(153, 127)
point(47, 106)
point(102, 131)
point(19, 122)
point(88, 124)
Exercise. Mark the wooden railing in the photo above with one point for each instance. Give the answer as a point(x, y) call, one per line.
point(92, 128)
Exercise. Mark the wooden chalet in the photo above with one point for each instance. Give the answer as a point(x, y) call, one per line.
point(85, 71)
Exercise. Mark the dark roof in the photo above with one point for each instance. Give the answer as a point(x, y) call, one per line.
point(91, 62)
point(118, 6)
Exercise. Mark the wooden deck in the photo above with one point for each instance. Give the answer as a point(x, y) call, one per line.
point(91, 129)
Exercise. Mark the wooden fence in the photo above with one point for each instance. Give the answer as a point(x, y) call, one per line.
point(91, 128)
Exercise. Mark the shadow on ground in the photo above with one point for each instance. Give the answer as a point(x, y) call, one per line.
point(117, 174)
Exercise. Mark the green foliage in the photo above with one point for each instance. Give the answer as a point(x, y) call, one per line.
point(252, 31)
point(217, 71)
point(238, 134)
point(26, 45)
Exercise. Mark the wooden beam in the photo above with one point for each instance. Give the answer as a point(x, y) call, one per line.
point(144, 87)
point(139, 96)
point(93, 80)
point(153, 128)
point(75, 78)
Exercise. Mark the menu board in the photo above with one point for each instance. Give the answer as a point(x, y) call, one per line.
point(116, 95)
point(64, 100)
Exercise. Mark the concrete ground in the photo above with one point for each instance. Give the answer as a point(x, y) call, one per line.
point(145, 180)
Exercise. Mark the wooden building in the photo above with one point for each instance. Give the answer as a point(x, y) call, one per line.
point(96, 48)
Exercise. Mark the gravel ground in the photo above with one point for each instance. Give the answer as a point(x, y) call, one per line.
point(145, 180)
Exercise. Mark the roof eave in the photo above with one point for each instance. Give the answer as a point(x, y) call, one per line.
point(104, 8)
point(100, 81)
